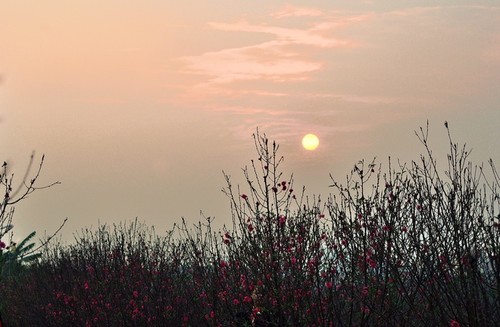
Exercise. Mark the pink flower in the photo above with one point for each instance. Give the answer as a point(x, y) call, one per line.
point(236, 301)
point(226, 238)
point(372, 263)
point(247, 299)
point(135, 294)
point(282, 220)
point(329, 284)
point(454, 323)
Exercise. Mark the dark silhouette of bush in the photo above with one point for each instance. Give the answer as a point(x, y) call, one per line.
point(408, 246)
point(15, 258)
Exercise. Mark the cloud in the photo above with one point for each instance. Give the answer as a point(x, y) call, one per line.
point(286, 35)
point(284, 58)
point(266, 61)
point(296, 11)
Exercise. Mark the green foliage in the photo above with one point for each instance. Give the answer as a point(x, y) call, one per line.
point(17, 257)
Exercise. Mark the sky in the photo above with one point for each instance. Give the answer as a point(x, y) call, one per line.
point(139, 106)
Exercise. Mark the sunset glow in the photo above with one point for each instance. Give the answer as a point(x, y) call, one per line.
point(139, 106)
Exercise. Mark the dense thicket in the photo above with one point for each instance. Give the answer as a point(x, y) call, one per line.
point(402, 246)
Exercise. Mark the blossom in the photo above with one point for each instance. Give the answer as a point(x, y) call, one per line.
point(282, 220)
point(372, 262)
point(454, 323)
point(2, 245)
point(226, 238)
point(244, 196)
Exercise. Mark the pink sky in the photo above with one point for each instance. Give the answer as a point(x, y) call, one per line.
point(139, 106)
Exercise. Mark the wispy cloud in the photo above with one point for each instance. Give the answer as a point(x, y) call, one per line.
point(286, 57)
point(296, 11)
point(265, 61)
point(285, 35)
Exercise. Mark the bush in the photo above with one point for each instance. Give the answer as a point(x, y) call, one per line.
point(408, 246)
point(14, 258)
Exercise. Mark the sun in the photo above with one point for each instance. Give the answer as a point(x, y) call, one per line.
point(310, 142)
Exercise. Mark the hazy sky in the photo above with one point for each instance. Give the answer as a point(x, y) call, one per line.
point(140, 105)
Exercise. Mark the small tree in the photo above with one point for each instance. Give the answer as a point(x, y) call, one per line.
point(14, 257)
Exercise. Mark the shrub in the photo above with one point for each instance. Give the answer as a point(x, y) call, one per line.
point(409, 246)
point(15, 257)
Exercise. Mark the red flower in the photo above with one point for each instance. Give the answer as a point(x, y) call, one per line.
point(244, 197)
point(226, 238)
point(372, 263)
point(236, 301)
point(454, 323)
point(329, 284)
point(282, 220)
